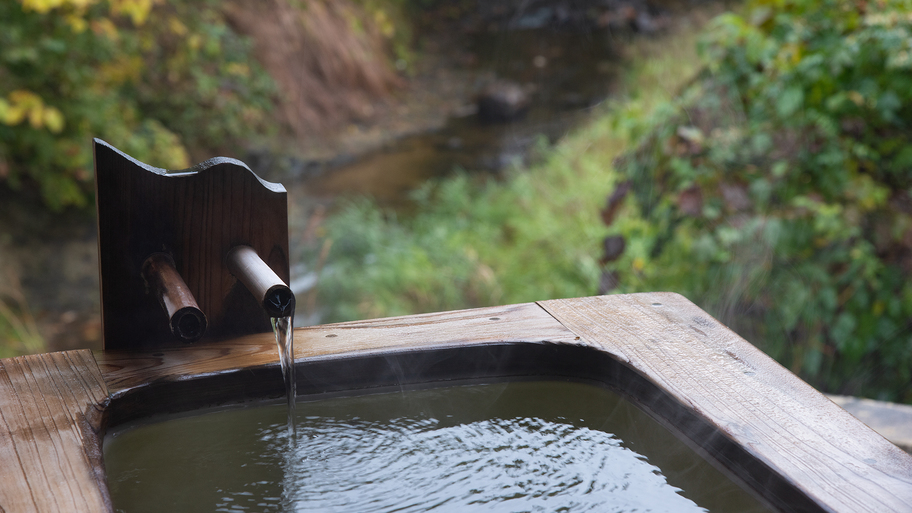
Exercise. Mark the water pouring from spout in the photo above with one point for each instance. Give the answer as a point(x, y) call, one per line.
point(278, 301)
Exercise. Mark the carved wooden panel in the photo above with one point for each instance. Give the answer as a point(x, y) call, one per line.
point(194, 216)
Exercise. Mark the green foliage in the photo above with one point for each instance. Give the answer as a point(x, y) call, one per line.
point(19, 333)
point(473, 244)
point(778, 193)
point(389, 18)
point(775, 191)
point(475, 241)
point(150, 77)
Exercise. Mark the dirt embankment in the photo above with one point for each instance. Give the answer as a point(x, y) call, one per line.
point(331, 64)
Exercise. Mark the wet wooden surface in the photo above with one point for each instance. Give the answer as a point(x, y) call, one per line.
point(892, 420)
point(729, 400)
point(833, 457)
point(516, 323)
point(50, 414)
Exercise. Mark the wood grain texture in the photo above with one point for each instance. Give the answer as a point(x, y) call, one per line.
point(124, 370)
point(747, 413)
point(783, 422)
point(194, 216)
point(51, 409)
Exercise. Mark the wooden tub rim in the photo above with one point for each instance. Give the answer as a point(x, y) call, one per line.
point(735, 405)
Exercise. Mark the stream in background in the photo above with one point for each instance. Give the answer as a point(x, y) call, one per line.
point(564, 70)
point(562, 73)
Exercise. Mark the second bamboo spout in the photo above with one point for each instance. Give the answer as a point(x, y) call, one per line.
point(265, 285)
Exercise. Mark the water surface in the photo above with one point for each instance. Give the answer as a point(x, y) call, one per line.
point(541, 446)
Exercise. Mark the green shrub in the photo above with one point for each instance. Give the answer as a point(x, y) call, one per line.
point(151, 77)
point(473, 244)
point(778, 192)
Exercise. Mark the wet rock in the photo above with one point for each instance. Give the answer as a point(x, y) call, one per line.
point(613, 246)
point(532, 20)
point(645, 23)
point(502, 101)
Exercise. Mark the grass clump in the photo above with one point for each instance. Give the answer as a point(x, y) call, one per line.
point(19, 334)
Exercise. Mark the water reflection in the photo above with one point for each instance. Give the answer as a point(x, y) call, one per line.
point(543, 446)
point(516, 464)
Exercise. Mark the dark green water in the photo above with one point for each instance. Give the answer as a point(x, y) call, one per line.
point(531, 446)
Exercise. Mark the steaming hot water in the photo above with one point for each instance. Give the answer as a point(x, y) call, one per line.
point(522, 446)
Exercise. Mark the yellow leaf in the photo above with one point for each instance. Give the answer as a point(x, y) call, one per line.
point(40, 6)
point(177, 26)
point(137, 10)
point(856, 98)
point(53, 119)
point(14, 115)
point(127, 69)
point(35, 117)
point(25, 98)
point(21, 105)
point(76, 23)
point(237, 68)
point(105, 27)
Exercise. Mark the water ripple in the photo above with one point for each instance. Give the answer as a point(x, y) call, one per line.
point(519, 464)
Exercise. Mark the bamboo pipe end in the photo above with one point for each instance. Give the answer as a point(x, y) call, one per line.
point(270, 291)
point(279, 301)
point(189, 324)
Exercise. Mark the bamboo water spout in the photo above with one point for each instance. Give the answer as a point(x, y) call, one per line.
point(265, 285)
point(163, 241)
point(187, 321)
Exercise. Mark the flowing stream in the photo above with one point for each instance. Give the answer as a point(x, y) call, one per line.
point(565, 74)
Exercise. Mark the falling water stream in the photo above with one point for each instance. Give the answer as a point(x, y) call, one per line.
point(284, 334)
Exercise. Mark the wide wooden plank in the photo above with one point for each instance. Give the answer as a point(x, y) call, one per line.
point(50, 415)
point(124, 370)
point(834, 458)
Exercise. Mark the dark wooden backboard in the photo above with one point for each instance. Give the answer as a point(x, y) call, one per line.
point(195, 216)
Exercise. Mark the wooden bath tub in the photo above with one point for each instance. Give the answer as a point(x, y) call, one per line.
point(772, 432)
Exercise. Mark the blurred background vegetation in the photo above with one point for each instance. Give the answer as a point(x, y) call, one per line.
point(760, 165)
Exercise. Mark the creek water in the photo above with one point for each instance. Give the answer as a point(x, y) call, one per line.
point(522, 446)
point(565, 72)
